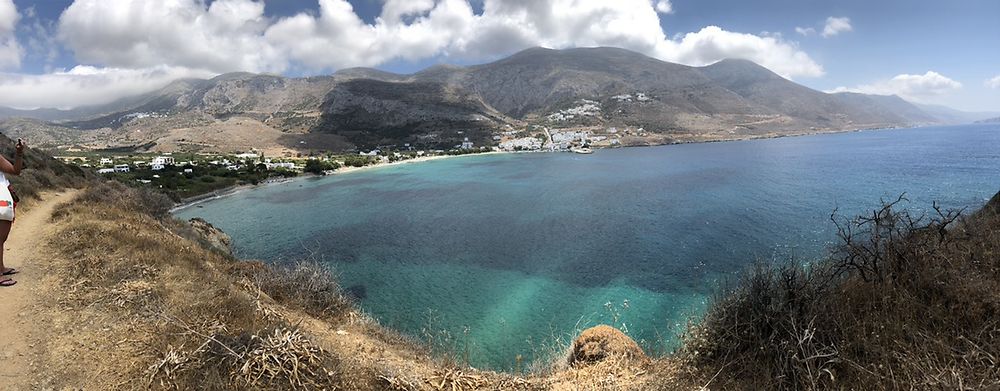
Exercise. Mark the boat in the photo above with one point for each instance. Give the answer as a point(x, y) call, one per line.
point(583, 150)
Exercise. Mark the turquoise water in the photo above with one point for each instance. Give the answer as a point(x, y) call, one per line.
point(510, 252)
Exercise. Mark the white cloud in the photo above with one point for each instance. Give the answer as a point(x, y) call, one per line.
point(10, 51)
point(450, 28)
point(918, 88)
point(836, 26)
point(85, 84)
point(994, 82)
point(234, 35)
point(135, 46)
point(664, 7)
point(712, 44)
point(225, 36)
point(805, 31)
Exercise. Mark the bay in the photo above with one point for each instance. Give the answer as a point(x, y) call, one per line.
point(509, 254)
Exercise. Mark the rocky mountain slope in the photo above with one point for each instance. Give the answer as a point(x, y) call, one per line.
point(593, 89)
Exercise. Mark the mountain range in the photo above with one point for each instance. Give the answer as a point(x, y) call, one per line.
point(599, 90)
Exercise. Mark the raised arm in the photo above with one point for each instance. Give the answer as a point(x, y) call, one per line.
point(15, 168)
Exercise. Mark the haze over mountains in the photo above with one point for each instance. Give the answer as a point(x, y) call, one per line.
point(593, 89)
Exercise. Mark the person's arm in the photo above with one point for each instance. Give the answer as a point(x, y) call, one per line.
point(15, 168)
point(19, 156)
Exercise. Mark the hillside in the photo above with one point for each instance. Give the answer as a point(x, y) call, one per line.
point(592, 89)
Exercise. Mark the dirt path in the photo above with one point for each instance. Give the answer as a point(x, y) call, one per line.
point(19, 325)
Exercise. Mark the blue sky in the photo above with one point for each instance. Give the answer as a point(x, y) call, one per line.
point(65, 53)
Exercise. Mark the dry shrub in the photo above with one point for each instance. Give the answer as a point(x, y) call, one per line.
point(305, 285)
point(456, 379)
point(284, 356)
point(115, 197)
point(902, 302)
point(275, 359)
point(197, 326)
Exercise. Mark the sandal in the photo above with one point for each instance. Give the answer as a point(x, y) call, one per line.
point(10, 272)
point(7, 282)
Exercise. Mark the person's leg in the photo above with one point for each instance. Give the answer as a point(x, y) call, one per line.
point(4, 232)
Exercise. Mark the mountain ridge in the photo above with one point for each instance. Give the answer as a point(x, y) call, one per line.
point(444, 104)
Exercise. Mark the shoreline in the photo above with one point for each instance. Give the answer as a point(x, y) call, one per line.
point(421, 159)
point(195, 200)
point(231, 190)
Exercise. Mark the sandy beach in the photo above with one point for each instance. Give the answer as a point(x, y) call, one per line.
point(346, 170)
point(192, 201)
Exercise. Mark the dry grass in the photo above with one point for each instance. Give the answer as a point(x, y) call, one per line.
point(193, 324)
point(305, 285)
point(905, 302)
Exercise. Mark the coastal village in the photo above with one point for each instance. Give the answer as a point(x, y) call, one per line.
point(184, 175)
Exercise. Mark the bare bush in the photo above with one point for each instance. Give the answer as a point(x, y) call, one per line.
point(305, 285)
point(903, 301)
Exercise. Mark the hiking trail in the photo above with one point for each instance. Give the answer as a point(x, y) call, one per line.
point(21, 327)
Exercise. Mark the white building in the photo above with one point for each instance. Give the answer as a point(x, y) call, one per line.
point(466, 144)
point(121, 168)
point(106, 171)
point(524, 143)
point(107, 161)
point(156, 166)
point(271, 166)
point(163, 161)
point(248, 155)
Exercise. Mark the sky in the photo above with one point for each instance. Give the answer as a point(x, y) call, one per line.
point(68, 53)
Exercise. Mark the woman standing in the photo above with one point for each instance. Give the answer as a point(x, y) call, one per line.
point(13, 169)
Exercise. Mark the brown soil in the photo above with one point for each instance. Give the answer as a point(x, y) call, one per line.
point(24, 327)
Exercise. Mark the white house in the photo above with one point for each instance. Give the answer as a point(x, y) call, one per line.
point(163, 161)
point(466, 144)
point(248, 155)
point(106, 171)
point(271, 166)
point(107, 161)
point(156, 166)
point(121, 168)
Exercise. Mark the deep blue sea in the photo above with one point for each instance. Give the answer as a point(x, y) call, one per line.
point(508, 253)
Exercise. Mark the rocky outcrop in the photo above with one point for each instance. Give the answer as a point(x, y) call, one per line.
point(603, 342)
point(213, 236)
